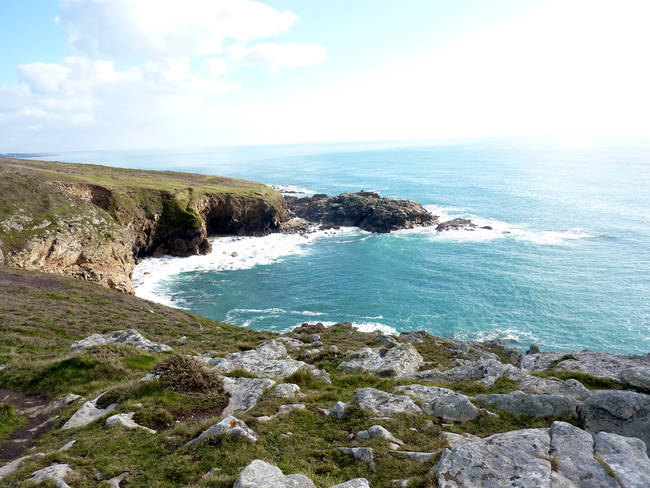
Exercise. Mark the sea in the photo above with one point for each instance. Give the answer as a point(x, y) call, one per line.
point(566, 264)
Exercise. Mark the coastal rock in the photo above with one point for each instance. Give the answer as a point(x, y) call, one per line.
point(55, 473)
point(338, 410)
point(553, 386)
point(626, 457)
point(456, 224)
point(399, 360)
point(512, 459)
point(228, 426)
point(520, 403)
point(259, 474)
point(87, 413)
point(269, 360)
point(126, 421)
point(484, 371)
point(572, 449)
point(365, 209)
point(383, 404)
point(295, 225)
point(418, 456)
point(129, 337)
point(506, 353)
point(599, 364)
point(441, 402)
point(637, 377)
point(455, 440)
point(245, 393)
point(619, 412)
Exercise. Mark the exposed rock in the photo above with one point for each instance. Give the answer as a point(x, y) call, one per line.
point(512, 459)
point(399, 483)
point(126, 421)
point(415, 336)
point(355, 483)
point(626, 457)
point(396, 361)
point(338, 410)
point(506, 353)
point(456, 224)
point(245, 393)
point(381, 403)
point(116, 480)
point(361, 454)
point(553, 386)
point(484, 371)
point(455, 440)
point(619, 412)
point(520, 403)
point(87, 413)
point(228, 426)
point(259, 474)
point(377, 432)
point(599, 364)
point(43, 410)
point(13, 466)
point(56, 473)
point(283, 410)
point(366, 210)
point(572, 448)
point(441, 402)
point(129, 337)
point(290, 342)
point(295, 225)
point(533, 349)
point(268, 360)
point(420, 457)
point(287, 390)
point(637, 377)
point(67, 446)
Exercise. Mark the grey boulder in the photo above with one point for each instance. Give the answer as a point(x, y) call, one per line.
point(228, 426)
point(129, 337)
point(520, 403)
point(245, 393)
point(87, 413)
point(381, 403)
point(395, 361)
point(441, 402)
point(260, 474)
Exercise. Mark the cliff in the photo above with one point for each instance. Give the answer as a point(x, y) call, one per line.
point(93, 222)
point(100, 388)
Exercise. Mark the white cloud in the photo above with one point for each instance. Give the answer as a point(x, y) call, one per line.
point(147, 29)
point(276, 56)
point(215, 67)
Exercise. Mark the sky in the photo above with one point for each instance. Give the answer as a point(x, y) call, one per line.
point(156, 74)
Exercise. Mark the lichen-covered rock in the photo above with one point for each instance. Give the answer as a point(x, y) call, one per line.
point(245, 393)
point(484, 371)
point(355, 483)
point(129, 337)
point(377, 432)
point(287, 390)
point(381, 403)
point(520, 403)
point(441, 402)
point(626, 457)
point(637, 377)
point(338, 410)
point(395, 361)
point(599, 364)
point(512, 459)
point(13, 466)
point(455, 440)
point(87, 413)
point(619, 412)
point(126, 421)
point(55, 472)
point(260, 474)
point(228, 426)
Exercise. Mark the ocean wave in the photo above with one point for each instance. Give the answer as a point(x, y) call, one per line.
point(293, 190)
point(228, 254)
point(360, 326)
point(513, 336)
point(497, 229)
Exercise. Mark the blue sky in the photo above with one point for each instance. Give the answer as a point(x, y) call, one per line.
point(80, 74)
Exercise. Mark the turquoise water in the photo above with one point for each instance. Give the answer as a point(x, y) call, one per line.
point(567, 265)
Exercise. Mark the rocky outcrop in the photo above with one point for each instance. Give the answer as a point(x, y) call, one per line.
point(87, 413)
point(620, 412)
point(129, 337)
point(228, 426)
point(126, 421)
point(396, 361)
point(365, 209)
point(520, 403)
point(381, 403)
point(245, 393)
point(562, 456)
point(56, 473)
point(441, 402)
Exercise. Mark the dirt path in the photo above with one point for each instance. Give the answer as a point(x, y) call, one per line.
point(21, 438)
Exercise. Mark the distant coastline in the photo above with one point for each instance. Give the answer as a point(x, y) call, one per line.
point(27, 155)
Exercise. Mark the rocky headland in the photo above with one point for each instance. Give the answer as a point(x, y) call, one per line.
point(100, 388)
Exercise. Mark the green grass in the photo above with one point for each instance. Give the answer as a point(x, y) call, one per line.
point(10, 420)
point(590, 381)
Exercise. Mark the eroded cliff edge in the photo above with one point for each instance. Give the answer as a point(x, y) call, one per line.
point(94, 222)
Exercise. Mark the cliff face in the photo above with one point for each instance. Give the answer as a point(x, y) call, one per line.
point(93, 222)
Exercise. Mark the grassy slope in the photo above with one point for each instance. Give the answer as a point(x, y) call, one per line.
point(24, 185)
point(43, 314)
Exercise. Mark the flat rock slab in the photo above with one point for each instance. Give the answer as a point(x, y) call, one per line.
point(520, 403)
point(245, 393)
point(126, 421)
point(355, 483)
point(383, 404)
point(228, 426)
point(129, 337)
point(441, 402)
point(260, 474)
point(523, 459)
point(56, 473)
point(87, 413)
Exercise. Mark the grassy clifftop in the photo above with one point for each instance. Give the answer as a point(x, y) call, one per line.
point(90, 221)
